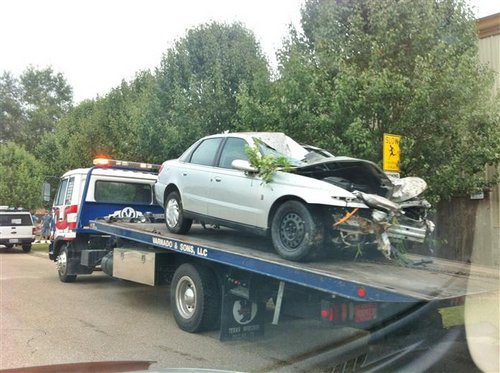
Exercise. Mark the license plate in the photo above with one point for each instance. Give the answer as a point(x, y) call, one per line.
point(365, 312)
point(13, 240)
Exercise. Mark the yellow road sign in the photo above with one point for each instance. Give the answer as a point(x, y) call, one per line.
point(392, 152)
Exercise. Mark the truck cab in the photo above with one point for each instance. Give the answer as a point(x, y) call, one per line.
point(109, 189)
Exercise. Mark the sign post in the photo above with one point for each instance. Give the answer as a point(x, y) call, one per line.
point(392, 152)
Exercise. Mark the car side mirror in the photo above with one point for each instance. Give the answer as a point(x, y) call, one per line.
point(243, 165)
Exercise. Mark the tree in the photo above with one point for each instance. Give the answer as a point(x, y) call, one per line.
point(11, 114)
point(199, 80)
point(70, 145)
point(157, 115)
point(364, 67)
point(32, 104)
point(107, 126)
point(22, 177)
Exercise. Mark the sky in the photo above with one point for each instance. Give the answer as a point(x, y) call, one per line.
point(97, 43)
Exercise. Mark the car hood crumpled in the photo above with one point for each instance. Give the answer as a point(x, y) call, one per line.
point(349, 173)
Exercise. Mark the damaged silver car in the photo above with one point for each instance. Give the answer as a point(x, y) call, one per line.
point(319, 202)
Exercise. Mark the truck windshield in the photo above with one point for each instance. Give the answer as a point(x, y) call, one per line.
point(119, 192)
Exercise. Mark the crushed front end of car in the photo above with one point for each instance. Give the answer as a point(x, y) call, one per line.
point(381, 223)
point(394, 209)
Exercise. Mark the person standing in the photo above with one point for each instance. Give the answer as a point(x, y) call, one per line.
point(46, 226)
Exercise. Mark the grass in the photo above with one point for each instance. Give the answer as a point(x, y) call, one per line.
point(40, 247)
point(452, 316)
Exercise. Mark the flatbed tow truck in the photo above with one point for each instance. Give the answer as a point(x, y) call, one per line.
point(429, 279)
point(232, 281)
point(340, 292)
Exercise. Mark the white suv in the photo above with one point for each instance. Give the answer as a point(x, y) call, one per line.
point(16, 228)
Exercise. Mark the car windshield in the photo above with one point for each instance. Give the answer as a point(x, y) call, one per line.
point(266, 149)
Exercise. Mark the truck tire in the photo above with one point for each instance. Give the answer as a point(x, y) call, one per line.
point(174, 215)
point(62, 263)
point(9, 245)
point(195, 298)
point(27, 248)
point(295, 232)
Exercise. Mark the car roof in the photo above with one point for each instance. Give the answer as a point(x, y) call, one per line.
point(277, 140)
point(16, 212)
point(247, 135)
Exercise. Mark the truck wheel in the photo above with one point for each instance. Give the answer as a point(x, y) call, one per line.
point(27, 248)
point(195, 298)
point(62, 263)
point(9, 245)
point(295, 232)
point(174, 216)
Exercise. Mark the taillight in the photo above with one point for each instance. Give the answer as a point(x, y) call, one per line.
point(361, 292)
point(329, 311)
point(161, 168)
point(348, 312)
point(33, 231)
point(70, 214)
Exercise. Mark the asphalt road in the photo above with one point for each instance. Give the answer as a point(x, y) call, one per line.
point(98, 318)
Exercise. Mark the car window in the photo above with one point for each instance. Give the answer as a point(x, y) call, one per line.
point(205, 152)
point(234, 148)
point(119, 192)
point(15, 219)
point(185, 156)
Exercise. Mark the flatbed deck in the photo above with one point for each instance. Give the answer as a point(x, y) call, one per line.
point(382, 280)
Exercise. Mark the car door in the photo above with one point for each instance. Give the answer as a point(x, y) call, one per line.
point(234, 195)
point(194, 176)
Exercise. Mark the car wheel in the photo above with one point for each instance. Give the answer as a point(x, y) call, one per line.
point(174, 216)
point(27, 248)
point(62, 263)
point(195, 298)
point(295, 231)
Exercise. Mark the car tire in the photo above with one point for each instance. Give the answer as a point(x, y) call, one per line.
point(174, 215)
point(296, 231)
point(62, 262)
point(27, 248)
point(195, 298)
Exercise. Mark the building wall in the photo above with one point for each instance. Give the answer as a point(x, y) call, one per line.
point(487, 227)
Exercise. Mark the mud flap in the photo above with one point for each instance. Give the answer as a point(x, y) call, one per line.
point(52, 256)
point(241, 317)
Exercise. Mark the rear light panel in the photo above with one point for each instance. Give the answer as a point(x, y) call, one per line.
point(344, 312)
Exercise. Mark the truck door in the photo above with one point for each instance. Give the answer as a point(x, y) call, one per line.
point(65, 213)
